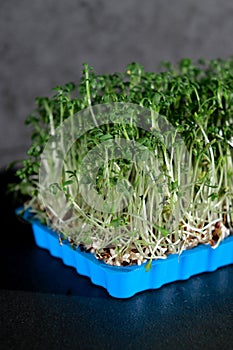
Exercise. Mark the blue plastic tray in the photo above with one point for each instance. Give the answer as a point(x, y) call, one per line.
point(124, 282)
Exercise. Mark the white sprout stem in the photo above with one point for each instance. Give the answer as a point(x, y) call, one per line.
point(190, 227)
point(89, 95)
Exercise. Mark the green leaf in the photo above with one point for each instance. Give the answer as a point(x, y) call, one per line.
point(117, 222)
point(106, 137)
point(68, 182)
point(148, 265)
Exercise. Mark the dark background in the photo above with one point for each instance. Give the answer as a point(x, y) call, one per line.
point(45, 43)
point(43, 304)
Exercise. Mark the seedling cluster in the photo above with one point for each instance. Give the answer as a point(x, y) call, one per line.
point(197, 100)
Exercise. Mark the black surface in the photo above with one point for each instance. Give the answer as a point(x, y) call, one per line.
point(46, 305)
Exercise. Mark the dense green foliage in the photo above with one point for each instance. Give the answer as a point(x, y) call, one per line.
point(197, 99)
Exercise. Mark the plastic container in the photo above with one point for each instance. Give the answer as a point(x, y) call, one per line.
point(124, 282)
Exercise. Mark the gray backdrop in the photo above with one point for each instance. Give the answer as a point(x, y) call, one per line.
point(45, 43)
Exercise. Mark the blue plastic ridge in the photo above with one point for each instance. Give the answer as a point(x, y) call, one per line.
point(125, 282)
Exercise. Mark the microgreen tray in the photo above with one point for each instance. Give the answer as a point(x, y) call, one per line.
point(124, 282)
